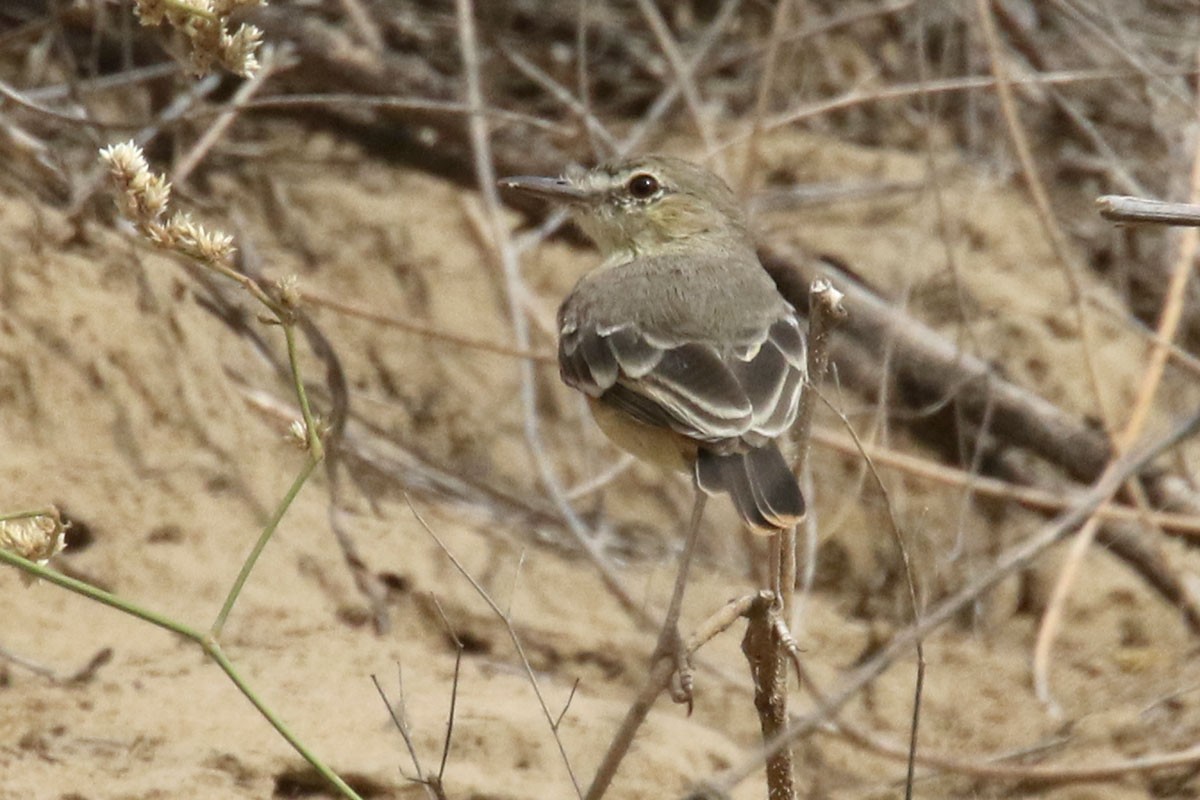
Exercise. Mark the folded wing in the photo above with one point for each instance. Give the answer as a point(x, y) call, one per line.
point(729, 397)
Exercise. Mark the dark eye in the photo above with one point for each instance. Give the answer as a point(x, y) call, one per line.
point(643, 186)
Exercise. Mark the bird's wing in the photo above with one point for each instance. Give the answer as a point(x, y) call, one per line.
point(747, 392)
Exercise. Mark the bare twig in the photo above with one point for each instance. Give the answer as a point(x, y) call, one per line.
point(274, 59)
point(1168, 325)
point(905, 91)
point(1037, 191)
point(399, 715)
point(766, 654)
point(988, 768)
point(724, 617)
point(766, 82)
point(915, 607)
point(1185, 526)
point(665, 99)
point(764, 650)
point(825, 312)
point(1009, 562)
point(1141, 210)
point(458, 654)
point(594, 127)
point(428, 331)
point(683, 73)
point(486, 175)
point(513, 637)
point(670, 656)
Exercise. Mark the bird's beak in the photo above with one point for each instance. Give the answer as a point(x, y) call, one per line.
point(556, 189)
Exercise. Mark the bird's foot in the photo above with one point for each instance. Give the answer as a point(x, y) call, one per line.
point(671, 648)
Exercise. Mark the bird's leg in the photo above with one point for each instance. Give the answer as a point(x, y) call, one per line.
point(670, 642)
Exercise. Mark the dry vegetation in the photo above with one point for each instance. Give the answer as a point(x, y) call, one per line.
point(1012, 393)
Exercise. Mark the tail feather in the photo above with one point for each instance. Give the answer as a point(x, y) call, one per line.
point(763, 489)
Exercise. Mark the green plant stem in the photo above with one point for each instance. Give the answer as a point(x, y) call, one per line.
point(263, 538)
point(206, 642)
point(213, 648)
point(312, 437)
point(316, 453)
point(99, 595)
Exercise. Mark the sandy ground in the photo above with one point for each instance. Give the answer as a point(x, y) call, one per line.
point(123, 400)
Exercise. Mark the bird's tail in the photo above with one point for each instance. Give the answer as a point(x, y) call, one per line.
point(762, 486)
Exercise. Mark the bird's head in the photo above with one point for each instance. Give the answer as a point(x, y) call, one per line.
point(645, 206)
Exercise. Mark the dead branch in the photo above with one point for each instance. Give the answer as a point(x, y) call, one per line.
point(1009, 562)
point(1118, 208)
point(930, 371)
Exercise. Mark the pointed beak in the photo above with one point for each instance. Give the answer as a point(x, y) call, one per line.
point(556, 189)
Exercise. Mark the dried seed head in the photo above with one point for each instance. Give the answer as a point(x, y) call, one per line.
point(193, 239)
point(238, 50)
point(298, 432)
point(205, 25)
point(143, 197)
point(38, 538)
point(143, 194)
point(289, 291)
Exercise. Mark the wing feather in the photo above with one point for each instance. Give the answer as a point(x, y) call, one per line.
point(749, 393)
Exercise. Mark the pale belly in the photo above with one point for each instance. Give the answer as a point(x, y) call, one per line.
point(660, 446)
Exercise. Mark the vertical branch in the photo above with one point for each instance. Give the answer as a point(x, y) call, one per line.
point(767, 656)
point(767, 642)
point(824, 312)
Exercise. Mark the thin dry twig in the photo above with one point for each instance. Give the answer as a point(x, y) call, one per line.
point(274, 59)
point(513, 637)
point(991, 769)
point(683, 73)
point(1119, 208)
point(765, 651)
point(915, 607)
point(907, 91)
point(1185, 526)
point(1168, 325)
point(486, 176)
point(428, 331)
point(964, 321)
point(594, 127)
point(724, 618)
point(667, 97)
point(766, 82)
point(1007, 563)
point(1046, 217)
point(398, 712)
point(670, 656)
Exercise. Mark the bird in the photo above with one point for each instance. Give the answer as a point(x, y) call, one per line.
point(689, 356)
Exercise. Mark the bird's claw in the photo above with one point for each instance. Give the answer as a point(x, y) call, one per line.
point(671, 647)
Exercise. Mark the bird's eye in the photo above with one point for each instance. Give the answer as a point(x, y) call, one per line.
point(643, 186)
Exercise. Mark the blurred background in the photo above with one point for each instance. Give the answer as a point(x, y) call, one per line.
point(939, 162)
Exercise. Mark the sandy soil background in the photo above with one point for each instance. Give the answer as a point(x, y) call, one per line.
point(124, 401)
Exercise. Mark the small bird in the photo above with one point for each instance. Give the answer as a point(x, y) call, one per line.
point(689, 356)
